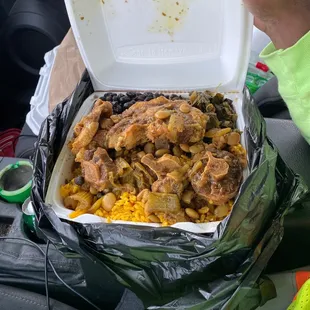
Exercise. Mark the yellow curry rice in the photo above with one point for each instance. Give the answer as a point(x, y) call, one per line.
point(127, 208)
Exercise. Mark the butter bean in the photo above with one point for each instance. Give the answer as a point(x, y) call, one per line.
point(185, 108)
point(108, 201)
point(161, 152)
point(149, 148)
point(163, 114)
point(93, 191)
point(221, 211)
point(233, 139)
point(197, 148)
point(154, 219)
point(204, 210)
point(184, 147)
point(177, 151)
point(192, 213)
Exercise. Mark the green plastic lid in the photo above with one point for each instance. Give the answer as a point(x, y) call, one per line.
point(16, 182)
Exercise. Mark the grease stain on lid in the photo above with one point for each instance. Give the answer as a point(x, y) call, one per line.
point(170, 16)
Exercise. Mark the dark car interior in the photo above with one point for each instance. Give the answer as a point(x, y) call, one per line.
point(28, 30)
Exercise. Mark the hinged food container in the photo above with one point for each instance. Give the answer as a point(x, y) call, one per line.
point(166, 45)
point(163, 44)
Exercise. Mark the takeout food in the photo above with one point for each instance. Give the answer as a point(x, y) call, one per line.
point(159, 161)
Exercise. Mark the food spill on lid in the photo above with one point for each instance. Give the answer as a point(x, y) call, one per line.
point(170, 16)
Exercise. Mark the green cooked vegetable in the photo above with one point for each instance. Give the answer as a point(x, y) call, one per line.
point(219, 109)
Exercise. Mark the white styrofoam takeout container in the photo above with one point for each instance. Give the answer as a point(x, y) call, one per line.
point(39, 101)
point(153, 45)
point(63, 171)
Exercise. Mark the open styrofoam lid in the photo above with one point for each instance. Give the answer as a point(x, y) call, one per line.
point(163, 44)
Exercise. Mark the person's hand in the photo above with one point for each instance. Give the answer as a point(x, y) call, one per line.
point(285, 21)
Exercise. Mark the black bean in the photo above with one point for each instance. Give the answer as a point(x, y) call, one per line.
point(149, 94)
point(124, 99)
point(99, 195)
point(117, 109)
point(131, 94)
point(114, 96)
point(109, 98)
point(174, 97)
point(149, 98)
point(159, 95)
point(141, 98)
point(106, 95)
point(127, 105)
point(79, 180)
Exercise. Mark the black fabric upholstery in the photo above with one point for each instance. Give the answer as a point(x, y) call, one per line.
point(294, 250)
point(25, 144)
point(12, 298)
point(293, 148)
point(269, 101)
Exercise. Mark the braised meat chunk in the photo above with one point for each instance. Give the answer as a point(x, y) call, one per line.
point(169, 185)
point(156, 120)
point(218, 177)
point(163, 165)
point(100, 170)
point(87, 128)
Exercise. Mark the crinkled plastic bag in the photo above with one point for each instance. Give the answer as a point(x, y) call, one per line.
point(169, 268)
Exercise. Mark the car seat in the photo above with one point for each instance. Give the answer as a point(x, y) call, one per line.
point(270, 102)
point(28, 30)
point(31, 23)
point(15, 298)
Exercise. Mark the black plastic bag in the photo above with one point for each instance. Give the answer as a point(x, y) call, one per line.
point(174, 269)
